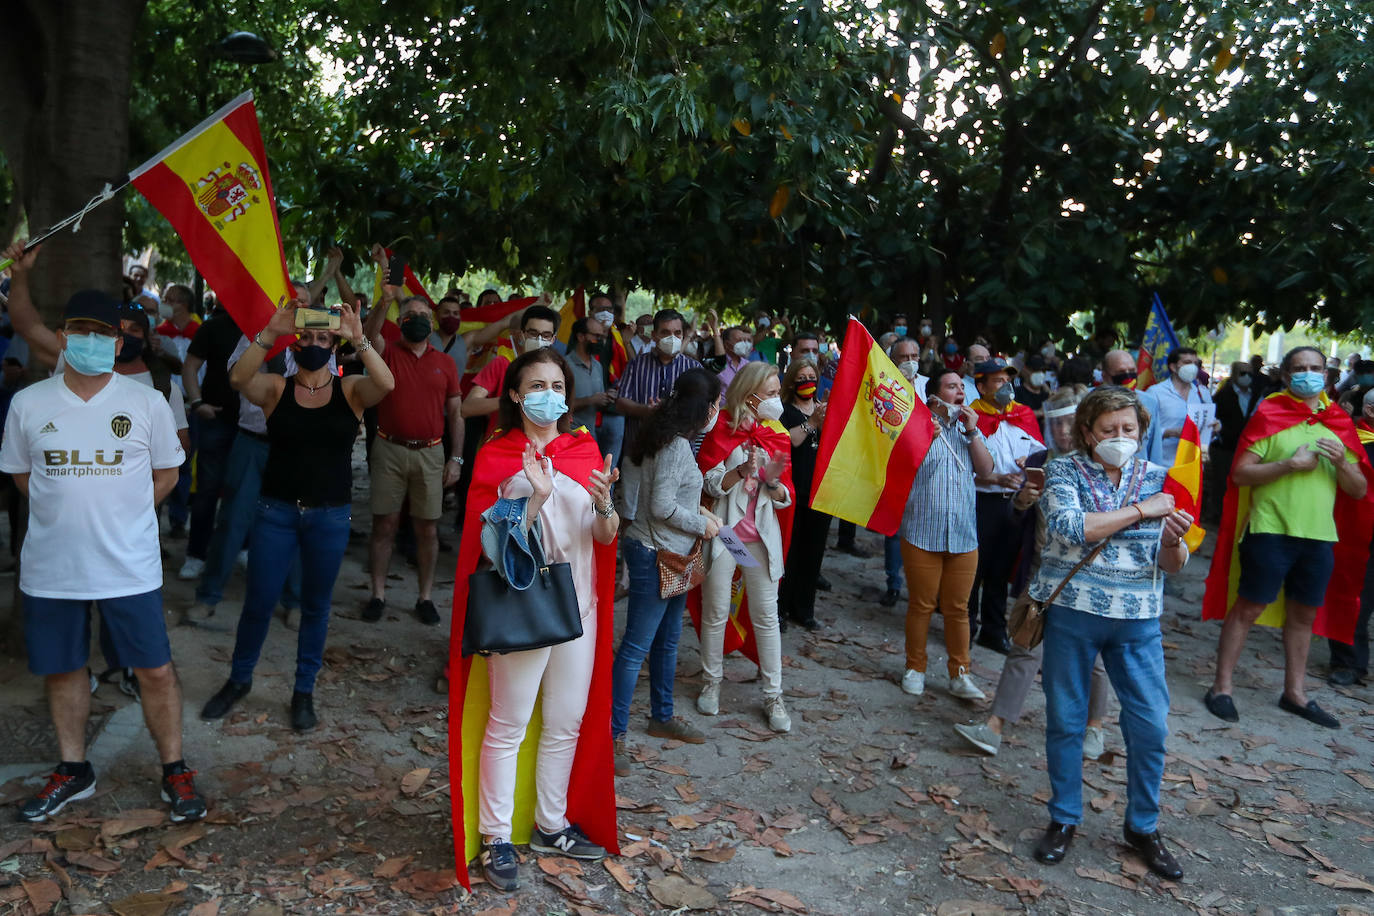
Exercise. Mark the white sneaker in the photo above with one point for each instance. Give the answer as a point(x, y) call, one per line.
point(778, 719)
point(981, 737)
point(1094, 743)
point(708, 701)
point(914, 682)
point(191, 569)
point(962, 686)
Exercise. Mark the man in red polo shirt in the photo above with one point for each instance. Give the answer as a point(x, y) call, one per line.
point(408, 454)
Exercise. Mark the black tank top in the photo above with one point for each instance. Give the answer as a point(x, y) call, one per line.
point(311, 453)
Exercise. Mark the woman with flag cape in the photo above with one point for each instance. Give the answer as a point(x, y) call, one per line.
point(529, 764)
point(747, 463)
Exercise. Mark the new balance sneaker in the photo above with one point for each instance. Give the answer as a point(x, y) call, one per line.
point(778, 719)
point(981, 737)
point(499, 865)
point(962, 686)
point(570, 842)
point(1094, 743)
point(61, 789)
point(676, 729)
point(179, 790)
point(708, 701)
point(914, 682)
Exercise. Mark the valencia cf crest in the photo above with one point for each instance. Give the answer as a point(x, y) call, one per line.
point(121, 425)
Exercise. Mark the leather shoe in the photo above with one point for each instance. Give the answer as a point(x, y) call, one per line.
point(303, 711)
point(1346, 677)
point(1151, 849)
point(1222, 706)
point(889, 598)
point(1311, 712)
point(1054, 845)
point(999, 644)
point(218, 706)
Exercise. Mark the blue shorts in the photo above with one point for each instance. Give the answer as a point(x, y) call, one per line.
point(1300, 566)
point(57, 632)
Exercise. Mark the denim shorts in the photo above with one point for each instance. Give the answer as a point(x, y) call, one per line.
point(57, 632)
point(1300, 566)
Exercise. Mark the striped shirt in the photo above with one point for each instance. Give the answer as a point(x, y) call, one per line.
point(939, 514)
point(1122, 582)
point(647, 379)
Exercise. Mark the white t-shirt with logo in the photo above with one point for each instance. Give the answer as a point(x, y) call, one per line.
point(174, 396)
point(92, 524)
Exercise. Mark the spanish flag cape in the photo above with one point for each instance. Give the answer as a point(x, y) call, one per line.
point(591, 789)
point(990, 416)
point(773, 438)
point(1354, 523)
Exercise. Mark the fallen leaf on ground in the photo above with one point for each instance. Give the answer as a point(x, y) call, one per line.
point(687, 792)
point(133, 821)
point(412, 781)
point(718, 851)
point(683, 822)
point(761, 897)
point(92, 862)
point(43, 894)
point(969, 908)
point(75, 838)
point(621, 875)
point(1106, 877)
point(1363, 779)
point(208, 908)
point(145, 904)
point(675, 891)
point(1342, 880)
point(557, 865)
point(392, 867)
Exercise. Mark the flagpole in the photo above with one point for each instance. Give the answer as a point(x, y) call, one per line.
point(106, 193)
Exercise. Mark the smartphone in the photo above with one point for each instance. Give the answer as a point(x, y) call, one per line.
point(1037, 460)
point(1035, 477)
point(318, 318)
point(396, 271)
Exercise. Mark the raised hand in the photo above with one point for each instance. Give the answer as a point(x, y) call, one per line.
point(777, 463)
point(350, 325)
point(283, 320)
point(537, 475)
point(601, 482)
point(23, 263)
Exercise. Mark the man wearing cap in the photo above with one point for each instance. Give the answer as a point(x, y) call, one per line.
point(95, 452)
point(1012, 435)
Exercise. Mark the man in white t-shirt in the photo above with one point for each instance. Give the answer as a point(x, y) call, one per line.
point(94, 452)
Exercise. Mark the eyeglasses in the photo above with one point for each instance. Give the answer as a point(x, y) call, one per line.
point(547, 336)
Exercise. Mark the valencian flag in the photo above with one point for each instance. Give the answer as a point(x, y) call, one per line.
point(591, 786)
point(720, 443)
point(875, 436)
point(1184, 482)
point(212, 185)
point(1158, 341)
point(1354, 523)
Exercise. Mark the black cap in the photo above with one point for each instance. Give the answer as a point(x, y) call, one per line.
point(92, 305)
point(996, 364)
point(135, 312)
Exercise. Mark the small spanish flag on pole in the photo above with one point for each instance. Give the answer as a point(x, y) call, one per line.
point(213, 186)
point(1184, 482)
point(875, 436)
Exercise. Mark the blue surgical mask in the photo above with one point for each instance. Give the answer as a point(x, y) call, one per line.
point(1364, 380)
point(900, 330)
point(544, 407)
point(90, 354)
point(1307, 384)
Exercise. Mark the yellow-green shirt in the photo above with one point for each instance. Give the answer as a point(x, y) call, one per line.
point(1300, 503)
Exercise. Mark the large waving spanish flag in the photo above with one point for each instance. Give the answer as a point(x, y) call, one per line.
point(1354, 523)
point(1184, 482)
point(875, 436)
point(212, 185)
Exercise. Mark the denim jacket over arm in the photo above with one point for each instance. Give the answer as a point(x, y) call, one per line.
point(516, 553)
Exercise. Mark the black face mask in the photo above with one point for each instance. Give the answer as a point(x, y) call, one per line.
point(1124, 378)
point(415, 328)
point(313, 357)
point(131, 350)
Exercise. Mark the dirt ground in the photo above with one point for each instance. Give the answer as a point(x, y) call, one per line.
point(871, 805)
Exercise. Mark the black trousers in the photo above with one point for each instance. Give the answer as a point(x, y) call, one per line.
point(797, 591)
point(1356, 657)
point(848, 531)
point(1000, 533)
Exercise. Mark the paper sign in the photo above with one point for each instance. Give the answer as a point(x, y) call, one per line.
point(736, 547)
point(1204, 415)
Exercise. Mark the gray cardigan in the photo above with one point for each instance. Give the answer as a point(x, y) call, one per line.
point(661, 498)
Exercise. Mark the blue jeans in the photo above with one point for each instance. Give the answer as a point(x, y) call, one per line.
point(892, 563)
point(1133, 654)
point(610, 436)
point(234, 522)
point(213, 440)
point(280, 530)
point(653, 626)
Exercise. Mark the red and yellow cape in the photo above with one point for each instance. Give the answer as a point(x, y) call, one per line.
point(990, 416)
point(1354, 523)
point(773, 438)
point(591, 791)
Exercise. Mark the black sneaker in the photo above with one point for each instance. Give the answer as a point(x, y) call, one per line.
point(373, 612)
point(303, 711)
point(500, 866)
point(570, 842)
point(53, 797)
point(427, 612)
point(179, 790)
point(218, 706)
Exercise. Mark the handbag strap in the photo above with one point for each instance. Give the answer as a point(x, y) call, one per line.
point(1073, 572)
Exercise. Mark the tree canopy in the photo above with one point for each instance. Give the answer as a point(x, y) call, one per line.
point(1001, 164)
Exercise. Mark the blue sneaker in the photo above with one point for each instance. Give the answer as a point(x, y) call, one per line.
point(570, 842)
point(500, 866)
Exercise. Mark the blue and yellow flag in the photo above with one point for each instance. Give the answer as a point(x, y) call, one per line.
point(1156, 343)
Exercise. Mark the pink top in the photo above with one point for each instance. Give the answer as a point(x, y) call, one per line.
point(745, 529)
point(567, 516)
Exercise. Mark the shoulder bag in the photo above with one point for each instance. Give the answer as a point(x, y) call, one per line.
point(501, 618)
point(1026, 623)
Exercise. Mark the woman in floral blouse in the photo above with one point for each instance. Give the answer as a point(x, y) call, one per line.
point(1104, 492)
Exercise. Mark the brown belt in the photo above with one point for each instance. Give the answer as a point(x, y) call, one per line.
point(414, 445)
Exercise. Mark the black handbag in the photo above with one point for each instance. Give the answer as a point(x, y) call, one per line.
point(503, 619)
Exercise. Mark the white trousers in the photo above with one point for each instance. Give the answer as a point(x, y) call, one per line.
point(762, 593)
point(565, 672)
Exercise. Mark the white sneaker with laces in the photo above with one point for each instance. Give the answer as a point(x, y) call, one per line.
point(778, 719)
point(962, 686)
point(708, 701)
point(191, 569)
point(1094, 743)
point(914, 682)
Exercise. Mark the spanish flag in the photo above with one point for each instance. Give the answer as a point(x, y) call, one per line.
point(1354, 523)
point(875, 436)
point(574, 307)
point(213, 186)
point(1184, 482)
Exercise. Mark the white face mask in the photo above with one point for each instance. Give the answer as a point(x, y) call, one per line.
point(951, 410)
point(764, 322)
point(1187, 373)
point(1037, 379)
point(1115, 452)
point(691, 348)
point(670, 346)
point(711, 423)
point(743, 348)
point(769, 408)
point(925, 330)
point(909, 369)
point(605, 318)
point(536, 343)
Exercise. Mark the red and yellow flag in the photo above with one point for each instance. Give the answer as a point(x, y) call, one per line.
point(1184, 482)
point(574, 307)
point(875, 436)
point(213, 186)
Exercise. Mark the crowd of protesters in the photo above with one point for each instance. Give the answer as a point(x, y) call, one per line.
point(682, 455)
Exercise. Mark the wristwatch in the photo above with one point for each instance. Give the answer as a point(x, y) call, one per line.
point(604, 513)
point(457, 458)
